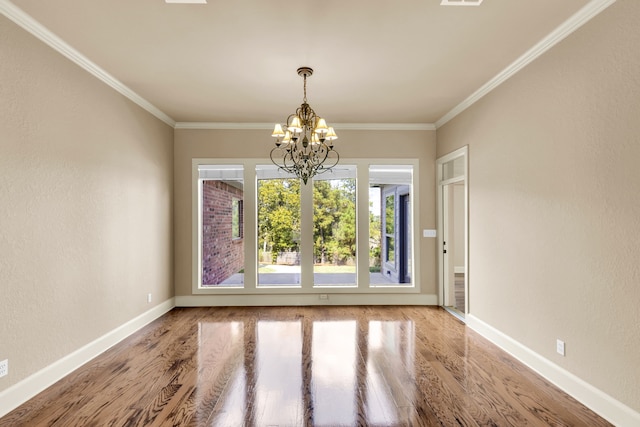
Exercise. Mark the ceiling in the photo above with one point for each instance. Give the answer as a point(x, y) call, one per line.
point(402, 61)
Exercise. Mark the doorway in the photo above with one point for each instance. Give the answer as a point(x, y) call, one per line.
point(453, 232)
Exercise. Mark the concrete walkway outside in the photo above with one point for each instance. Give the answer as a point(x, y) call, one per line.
point(289, 275)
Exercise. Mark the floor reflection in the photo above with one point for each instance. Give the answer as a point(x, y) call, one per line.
point(333, 376)
point(303, 372)
point(278, 373)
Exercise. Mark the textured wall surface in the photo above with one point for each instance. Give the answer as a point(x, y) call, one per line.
point(555, 202)
point(85, 206)
point(239, 144)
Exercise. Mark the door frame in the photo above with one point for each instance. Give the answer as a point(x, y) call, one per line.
point(464, 153)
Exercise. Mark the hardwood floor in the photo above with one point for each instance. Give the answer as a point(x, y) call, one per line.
point(459, 292)
point(303, 366)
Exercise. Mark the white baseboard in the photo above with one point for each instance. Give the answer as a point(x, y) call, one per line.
point(219, 300)
point(601, 403)
point(19, 393)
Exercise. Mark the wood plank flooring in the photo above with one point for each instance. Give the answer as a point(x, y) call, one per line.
point(459, 291)
point(303, 366)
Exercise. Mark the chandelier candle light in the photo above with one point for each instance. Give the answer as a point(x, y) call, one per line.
point(304, 145)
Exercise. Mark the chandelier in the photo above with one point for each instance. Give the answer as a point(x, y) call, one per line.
point(304, 145)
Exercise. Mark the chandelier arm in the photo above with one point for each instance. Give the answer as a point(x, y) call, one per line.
point(326, 168)
point(273, 160)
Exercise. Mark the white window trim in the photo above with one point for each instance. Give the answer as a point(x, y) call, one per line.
point(251, 243)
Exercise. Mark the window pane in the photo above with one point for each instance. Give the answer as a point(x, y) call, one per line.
point(334, 227)
point(390, 225)
point(278, 227)
point(390, 250)
point(236, 218)
point(389, 214)
point(222, 250)
point(453, 168)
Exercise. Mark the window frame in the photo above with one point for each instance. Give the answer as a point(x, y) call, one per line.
point(250, 286)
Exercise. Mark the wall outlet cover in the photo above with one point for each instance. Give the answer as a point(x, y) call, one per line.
point(428, 233)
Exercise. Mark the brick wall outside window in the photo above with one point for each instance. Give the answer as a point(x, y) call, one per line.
point(222, 255)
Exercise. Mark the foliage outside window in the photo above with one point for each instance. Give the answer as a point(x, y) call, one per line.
point(334, 227)
point(375, 230)
point(278, 216)
point(281, 227)
point(334, 221)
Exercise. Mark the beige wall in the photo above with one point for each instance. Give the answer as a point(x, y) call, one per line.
point(191, 144)
point(85, 206)
point(554, 185)
point(86, 202)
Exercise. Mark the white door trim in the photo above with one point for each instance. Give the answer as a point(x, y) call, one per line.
point(464, 153)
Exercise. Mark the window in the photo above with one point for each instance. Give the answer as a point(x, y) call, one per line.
point(349, 229)
point(390, 224)
point(278, 227)
point(221, 224)
point(334, 227)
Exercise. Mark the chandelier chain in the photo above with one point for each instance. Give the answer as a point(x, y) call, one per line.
point(304, 99)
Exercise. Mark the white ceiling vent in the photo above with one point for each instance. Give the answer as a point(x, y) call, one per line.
point(460, 2)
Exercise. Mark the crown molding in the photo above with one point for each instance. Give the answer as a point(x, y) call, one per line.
point(224, 125)
point(593, 8)
point(29, 24)
point(337, 126)
point(15, 14)
point(384, 126)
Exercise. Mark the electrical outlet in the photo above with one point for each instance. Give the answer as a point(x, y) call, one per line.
point(560, 347)
point(148, 298)
point(4, 367)
point(324, 296)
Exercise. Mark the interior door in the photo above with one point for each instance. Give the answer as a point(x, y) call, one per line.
point(453, 246)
